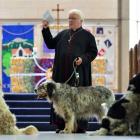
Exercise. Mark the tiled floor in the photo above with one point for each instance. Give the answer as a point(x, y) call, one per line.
point(53, 136)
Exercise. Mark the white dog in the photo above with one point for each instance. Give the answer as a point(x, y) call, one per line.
point(8, 121)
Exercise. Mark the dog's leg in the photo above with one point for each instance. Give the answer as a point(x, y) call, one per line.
point(100, 132)
point(105, 128)
point(69, 122)
point(122, 129)
point(138, 132)
point(101, 113)
point(135, 127)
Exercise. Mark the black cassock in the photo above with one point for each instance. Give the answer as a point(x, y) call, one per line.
point(69, 45)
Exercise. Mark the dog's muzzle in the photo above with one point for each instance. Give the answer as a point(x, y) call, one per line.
point(35, 91)
point(42, 95)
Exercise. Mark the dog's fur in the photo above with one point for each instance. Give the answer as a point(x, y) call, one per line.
point(74, 103)
point(123, 117)
point(8, 121)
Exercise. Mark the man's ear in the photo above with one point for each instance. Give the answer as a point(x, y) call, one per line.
point(50, 89)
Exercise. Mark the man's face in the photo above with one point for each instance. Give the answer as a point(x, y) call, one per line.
point(74, 21)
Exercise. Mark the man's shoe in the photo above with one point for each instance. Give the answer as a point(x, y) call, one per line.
point(79, 130)
point(57, 130)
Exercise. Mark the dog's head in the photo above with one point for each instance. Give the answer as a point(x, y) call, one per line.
point(134, 84)
point(46, 89)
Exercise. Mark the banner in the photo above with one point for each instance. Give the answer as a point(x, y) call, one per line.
point(103, 67)
point(17, 41)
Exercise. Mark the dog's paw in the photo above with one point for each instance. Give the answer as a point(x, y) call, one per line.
point(118, 133)
point(61, 132)
point(100, 132)
point(122, 133)
point(65, 131)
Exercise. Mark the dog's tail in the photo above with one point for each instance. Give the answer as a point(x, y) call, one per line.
point(107, 95)
point(108, 103)
point(110, 100)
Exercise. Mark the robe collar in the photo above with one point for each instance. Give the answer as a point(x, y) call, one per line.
point(74, 31)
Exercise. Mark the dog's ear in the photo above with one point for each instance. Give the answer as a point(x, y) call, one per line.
point(134, 84)
point(51, 89)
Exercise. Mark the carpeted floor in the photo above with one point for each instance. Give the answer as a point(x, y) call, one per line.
point(53, 136)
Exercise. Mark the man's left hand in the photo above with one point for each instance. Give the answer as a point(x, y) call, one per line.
point(78, 61)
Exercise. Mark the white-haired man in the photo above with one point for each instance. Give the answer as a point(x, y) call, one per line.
point(73, 44)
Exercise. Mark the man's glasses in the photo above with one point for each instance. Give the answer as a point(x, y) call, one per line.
point(73, 19)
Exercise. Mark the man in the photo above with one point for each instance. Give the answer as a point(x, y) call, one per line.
point(72, 46)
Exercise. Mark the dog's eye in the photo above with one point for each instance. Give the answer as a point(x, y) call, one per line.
point(42, 90)
point(131, 87)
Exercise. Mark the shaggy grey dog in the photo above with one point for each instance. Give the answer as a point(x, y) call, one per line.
point(123, 117)
point(73, 103)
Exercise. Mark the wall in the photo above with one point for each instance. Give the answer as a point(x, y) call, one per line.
point(104, 12)
point(134, 23)
point(34, 9)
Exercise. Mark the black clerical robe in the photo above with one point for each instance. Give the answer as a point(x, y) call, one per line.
point(69, 45)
